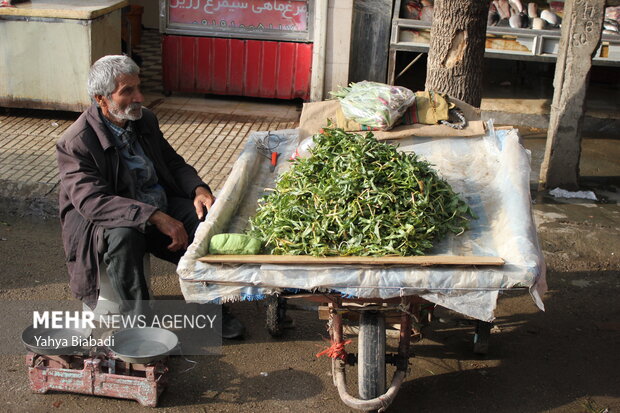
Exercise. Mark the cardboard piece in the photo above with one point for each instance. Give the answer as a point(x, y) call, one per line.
point(315, 116)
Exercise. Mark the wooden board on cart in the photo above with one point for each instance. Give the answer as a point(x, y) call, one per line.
point(423, 260)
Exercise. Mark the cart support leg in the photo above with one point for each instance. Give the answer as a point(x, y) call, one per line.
point(336, 335)
point(338, 366)
point(404, 341)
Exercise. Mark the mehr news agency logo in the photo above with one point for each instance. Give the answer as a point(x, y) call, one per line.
point(86, 320)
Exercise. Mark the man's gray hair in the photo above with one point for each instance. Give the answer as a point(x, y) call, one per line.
point(104, 72)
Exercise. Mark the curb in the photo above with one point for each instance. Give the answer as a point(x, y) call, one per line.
point(29, 199)
point(605, 126)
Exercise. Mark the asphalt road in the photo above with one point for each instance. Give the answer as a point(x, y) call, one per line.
point(565, 359)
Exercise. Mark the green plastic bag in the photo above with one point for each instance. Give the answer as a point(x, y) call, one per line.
point(375, 105)
point(234, 244)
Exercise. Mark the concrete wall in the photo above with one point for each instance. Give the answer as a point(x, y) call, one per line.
point(339, 18)
point(47, 68)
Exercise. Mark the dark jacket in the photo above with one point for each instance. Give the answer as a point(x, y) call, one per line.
point(94, 193)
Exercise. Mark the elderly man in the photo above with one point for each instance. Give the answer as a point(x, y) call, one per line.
point(124, 191)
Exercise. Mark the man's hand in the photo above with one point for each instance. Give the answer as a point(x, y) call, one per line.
point(172, 228)
point(204, 199)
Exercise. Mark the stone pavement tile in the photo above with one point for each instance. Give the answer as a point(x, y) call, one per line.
point(202, 139)
point(181, 130)
point(8, 141)
point(175, 100)
point(198, 104)
point(219, 105)
point(46, 171)
point(281, 110)
point(231, 105)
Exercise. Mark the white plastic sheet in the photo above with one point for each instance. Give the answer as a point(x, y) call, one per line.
point(563, 193)
point(490, 172)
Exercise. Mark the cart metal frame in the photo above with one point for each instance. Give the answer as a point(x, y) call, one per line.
point(411, 310)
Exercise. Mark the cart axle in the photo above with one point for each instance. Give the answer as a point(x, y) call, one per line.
point(395, 359)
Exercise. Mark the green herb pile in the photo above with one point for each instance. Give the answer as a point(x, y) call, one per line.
point(357, 196)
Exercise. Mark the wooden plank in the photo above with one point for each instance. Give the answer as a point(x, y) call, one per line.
point(317, 76)
point(423, 260)
point(324, 310)
point(370, 40)
point(505, 127)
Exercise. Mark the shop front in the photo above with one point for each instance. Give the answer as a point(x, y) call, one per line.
point(245, 48)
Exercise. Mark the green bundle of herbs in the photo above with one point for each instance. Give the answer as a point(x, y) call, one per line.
point(357, 196)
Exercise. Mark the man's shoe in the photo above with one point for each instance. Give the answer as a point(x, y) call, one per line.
point(231, 326)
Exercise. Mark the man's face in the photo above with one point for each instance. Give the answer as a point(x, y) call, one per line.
point(125, 103)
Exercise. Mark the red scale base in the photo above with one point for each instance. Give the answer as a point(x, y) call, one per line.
point(99, 376)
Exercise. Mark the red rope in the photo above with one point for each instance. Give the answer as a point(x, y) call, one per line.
point(336, 351)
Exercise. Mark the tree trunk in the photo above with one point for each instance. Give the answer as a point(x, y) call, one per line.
point(456, 51)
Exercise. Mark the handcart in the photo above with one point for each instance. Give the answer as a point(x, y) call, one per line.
point(465, 274)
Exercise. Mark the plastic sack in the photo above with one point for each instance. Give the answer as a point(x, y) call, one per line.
point(303, 149)
point(375, 105)
point(239, 244)
point(430, 108)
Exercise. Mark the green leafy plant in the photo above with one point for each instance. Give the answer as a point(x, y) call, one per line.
point(357, 196)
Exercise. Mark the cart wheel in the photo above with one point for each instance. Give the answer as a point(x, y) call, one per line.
point(481, 337)
point(371, 359)
point(275, 315)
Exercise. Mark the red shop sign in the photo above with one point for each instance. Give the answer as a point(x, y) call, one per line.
point(287, 15)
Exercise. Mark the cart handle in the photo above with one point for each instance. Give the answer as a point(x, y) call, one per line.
point(378, 403)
